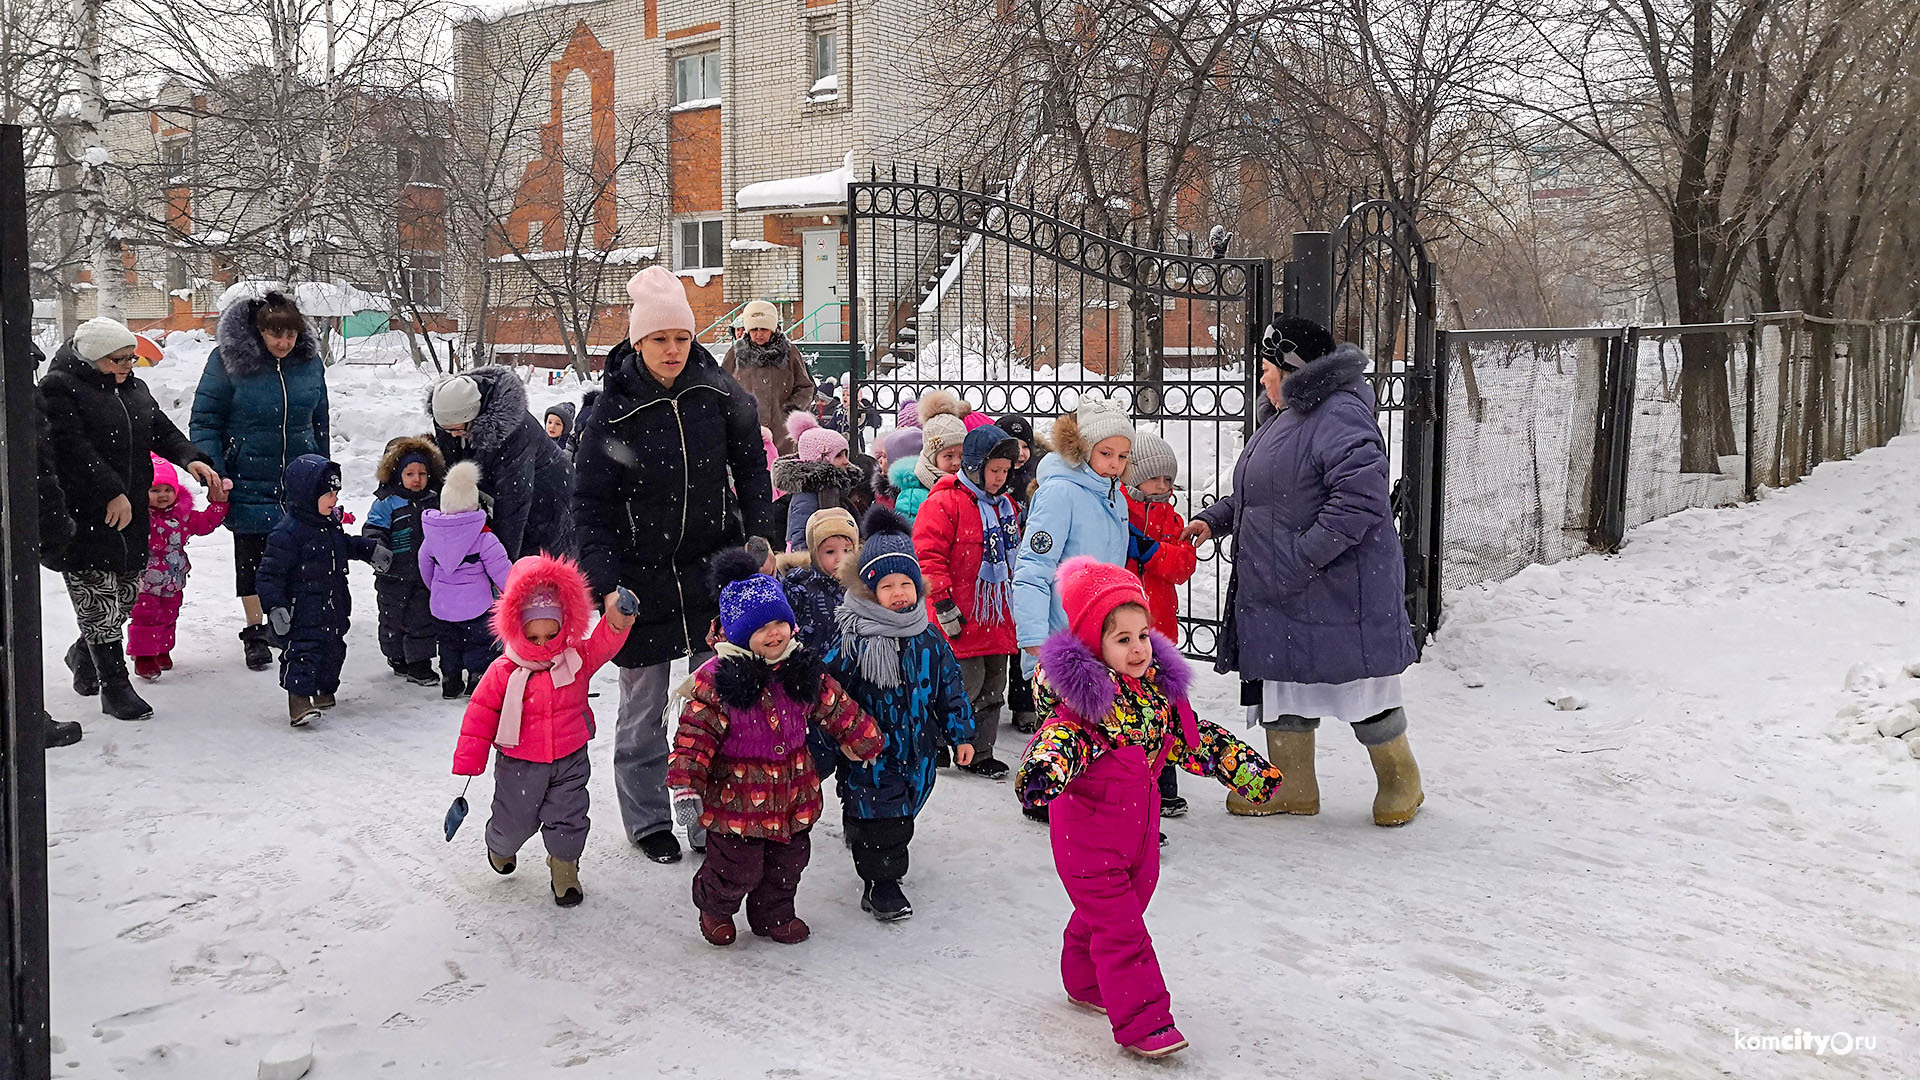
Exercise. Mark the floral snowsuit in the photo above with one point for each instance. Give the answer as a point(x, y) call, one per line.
point(164, 581)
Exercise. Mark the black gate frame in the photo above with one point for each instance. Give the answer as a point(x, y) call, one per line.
point(1372, 282)
point(945, 202)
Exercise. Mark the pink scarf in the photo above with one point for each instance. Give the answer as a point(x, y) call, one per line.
point(563, 668)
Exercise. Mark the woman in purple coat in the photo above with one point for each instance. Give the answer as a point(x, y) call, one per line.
point(1319, 597)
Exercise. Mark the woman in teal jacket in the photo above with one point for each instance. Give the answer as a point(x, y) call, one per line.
point(262, 402)
point(1078, 509)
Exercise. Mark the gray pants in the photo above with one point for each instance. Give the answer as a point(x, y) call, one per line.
point(1373, 731)
point(549, 798)
point(640, 747)
point(985, 681)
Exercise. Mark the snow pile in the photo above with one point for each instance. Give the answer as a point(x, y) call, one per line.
point(1883, 703)
point(817, 189)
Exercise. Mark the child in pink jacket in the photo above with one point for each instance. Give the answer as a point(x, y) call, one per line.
point(172, 520)
point(1122, 713)
point(532, 706)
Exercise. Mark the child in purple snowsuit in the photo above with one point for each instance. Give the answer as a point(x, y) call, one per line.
point(1096, 762)
point(464, 566)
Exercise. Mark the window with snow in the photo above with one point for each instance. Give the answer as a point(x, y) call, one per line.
point(424, 279)
point(700, 246)
point(696, 78)
point(826, 66)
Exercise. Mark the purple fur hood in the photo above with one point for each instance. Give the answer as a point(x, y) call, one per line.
point(1087, 686)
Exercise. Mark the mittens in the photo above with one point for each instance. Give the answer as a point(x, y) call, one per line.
point(1139, 548)
point(382, 557)
point(281, 620)
point(950, 618)
point(686, 807)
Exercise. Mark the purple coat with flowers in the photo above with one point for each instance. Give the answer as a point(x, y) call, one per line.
point(1322, 581)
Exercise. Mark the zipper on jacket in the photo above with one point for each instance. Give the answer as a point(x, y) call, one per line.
point(281, 368)
point(125, 552)
point(686, 481)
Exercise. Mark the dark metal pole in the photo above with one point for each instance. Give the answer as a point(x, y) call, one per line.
point(24, 1007)
point(1313, 262)
point(856, 365)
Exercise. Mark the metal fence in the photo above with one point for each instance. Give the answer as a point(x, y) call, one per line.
point(1555, 442)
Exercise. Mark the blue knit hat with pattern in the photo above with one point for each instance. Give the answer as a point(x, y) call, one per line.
point(751, 603)
point(888, 550)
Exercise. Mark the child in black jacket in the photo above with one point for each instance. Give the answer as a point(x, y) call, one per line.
point(409, 477)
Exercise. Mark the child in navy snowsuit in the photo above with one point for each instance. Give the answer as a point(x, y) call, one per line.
point(303, 585)
point(409, 476)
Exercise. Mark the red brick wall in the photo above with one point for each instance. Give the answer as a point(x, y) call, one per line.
point(695, 161)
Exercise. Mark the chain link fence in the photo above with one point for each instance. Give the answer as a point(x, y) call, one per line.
point(1555, 442)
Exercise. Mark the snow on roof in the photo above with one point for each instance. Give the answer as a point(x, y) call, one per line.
point(817, 189)
point(321, 299)
point(494, 10)
point(625, 256)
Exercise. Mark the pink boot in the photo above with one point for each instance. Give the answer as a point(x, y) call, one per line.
point(1167, 1040)
point(147, 667)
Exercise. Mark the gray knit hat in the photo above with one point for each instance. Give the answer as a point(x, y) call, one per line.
point(1101, 419)
point(1152, 457)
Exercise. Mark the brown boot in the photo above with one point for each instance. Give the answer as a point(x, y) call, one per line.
point(717, 929)
point(300, 710)
point(1399, 797)
point(791, 932)
point(323, 701)
point(1299, 791)
point(566, 882)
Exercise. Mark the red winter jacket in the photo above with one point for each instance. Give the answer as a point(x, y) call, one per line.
point(1170, 566)
point(949, 542)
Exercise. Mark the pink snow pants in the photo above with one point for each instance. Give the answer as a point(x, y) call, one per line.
point(150, 632)
point(1106, 846)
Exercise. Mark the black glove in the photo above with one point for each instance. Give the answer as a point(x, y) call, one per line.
point(382, 558)
point(950, 618)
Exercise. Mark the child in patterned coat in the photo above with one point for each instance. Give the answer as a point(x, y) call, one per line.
point(1122, 713)
point(172, 520)
point(740, 765)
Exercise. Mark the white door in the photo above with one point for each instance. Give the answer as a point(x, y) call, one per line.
point(819, 285)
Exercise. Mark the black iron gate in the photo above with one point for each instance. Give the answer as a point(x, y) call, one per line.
point(1372, 283)
point(1023, 310)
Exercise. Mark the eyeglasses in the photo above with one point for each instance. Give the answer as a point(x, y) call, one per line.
point(118, 361)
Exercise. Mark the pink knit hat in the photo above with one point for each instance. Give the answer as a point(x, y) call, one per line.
point(1090, 590)
point(165, 473)
point(659, 303)
point(811, 441)
point(976, 420)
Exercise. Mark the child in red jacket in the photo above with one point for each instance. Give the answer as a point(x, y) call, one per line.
point(532, 705)
point(965, 537)
point(1157, 555)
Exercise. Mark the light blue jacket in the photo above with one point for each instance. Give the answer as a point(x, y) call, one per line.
point(1075, 511)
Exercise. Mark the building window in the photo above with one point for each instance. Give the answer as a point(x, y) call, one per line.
point(700, 246)
point(697, 78)
point(424, 280)
point(173, 158)
point(826, 59)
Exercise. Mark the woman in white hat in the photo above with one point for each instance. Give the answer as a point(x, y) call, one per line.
point(772, 370)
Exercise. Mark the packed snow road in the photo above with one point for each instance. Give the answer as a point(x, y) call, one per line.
point(1718, 850)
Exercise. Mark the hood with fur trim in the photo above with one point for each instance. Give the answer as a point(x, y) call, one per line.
point(1311, 386)
point(1085, 683)
point(503, 407)
point(792, 474)
point(243, 352)
point(388, 471)
point(1068, 442)
point(576, 607)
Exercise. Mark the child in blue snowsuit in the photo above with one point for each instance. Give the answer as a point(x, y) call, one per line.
point(303, 585)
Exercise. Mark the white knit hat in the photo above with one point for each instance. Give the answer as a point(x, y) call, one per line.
point(1101, 419)
point(760, 315)
point(460, 493)
point(100, 337)
point(456, 401)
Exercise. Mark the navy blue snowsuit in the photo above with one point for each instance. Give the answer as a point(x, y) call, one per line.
point(305, 571)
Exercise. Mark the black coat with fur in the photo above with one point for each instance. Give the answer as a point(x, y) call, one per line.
point(528, 477)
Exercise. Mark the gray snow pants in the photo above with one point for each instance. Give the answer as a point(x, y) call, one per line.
point(985, 681)
point(641, 742)
point(549, 798)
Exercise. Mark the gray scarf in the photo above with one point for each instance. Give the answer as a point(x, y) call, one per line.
point(773, 354)
point(871, 635)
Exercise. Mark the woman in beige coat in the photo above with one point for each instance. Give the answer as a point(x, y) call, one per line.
point(771, 369)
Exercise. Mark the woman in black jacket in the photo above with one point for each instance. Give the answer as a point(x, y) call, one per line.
point(671, 472)
point(105, 425)
point(481, 416)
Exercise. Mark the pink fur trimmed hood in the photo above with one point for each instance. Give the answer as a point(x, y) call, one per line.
point(576, 605)
point(1086, 685)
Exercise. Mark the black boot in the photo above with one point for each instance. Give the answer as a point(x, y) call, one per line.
point(451, 682)
point(884, 901)
point(421, 673)
point(62, 733)
point(117, 698)
point(86, 682)
point(255, 640)
point(473, 681)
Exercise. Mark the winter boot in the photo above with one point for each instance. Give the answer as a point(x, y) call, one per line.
point(566, 882)
point(1292, 753)
point(1036, 813)
point(166, 661)
point(451, 683)
point(502, 864)
point(420, 673)
point(1399, 796)
point(117, 698)
point(62, 733)
point(988, 766)
point(147, 667)
point(300, 710)
point(1089, 1003)
point(473, 682)
point(398, 667)
point(1026, 723)
point(1173, 806)
point(86, 682)
point(791, 932)
point(717, 929)
point(661, 847)
point(323, 701)
point(885, 902)
point(256, 641)
point(1166, 1041)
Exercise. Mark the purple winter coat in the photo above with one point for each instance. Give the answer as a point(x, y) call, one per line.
point(1322, 581)
point(462, 564)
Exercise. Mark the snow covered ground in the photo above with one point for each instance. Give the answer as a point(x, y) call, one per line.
point(1719, 847)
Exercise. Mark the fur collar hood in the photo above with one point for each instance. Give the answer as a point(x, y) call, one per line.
point(1088, 686)
point(775, 353)
point(242, 350)
point(741, 681)
point(576, 609)
point(387, 473)
point(1310, 387)
point(792, 474)
point(503, 406)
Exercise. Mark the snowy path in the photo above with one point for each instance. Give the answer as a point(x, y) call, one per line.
point(1709, 846)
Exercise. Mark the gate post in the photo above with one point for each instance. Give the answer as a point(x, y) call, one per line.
point(1312, 265)
point(25, 1003)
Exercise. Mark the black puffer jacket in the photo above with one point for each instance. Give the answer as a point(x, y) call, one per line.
point(521, 470)
point(102, 434)
point(666, 479)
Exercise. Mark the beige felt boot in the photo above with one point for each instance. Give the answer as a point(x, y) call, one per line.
point(1399, 797)
point(1299, 791)
point(566, 882)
